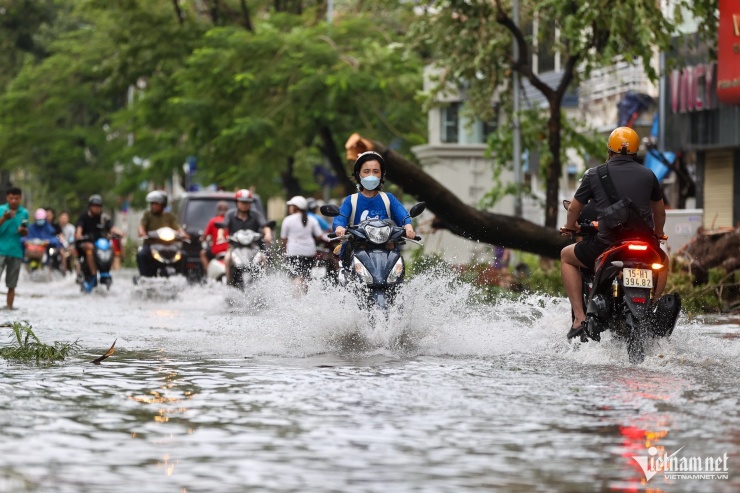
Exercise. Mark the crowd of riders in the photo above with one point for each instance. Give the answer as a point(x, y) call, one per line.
point(302, 230)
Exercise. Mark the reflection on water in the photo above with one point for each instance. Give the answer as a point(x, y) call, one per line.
point(202, 397)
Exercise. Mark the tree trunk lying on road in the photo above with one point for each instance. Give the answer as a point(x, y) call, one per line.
point(456, 216)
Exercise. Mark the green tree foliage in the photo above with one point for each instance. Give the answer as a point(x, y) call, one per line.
point(260, 93)
point(471, 40)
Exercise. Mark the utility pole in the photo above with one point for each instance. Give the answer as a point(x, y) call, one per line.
point(517, 144)
point(661, 103)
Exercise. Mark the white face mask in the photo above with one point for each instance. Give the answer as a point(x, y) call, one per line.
point(370, 182)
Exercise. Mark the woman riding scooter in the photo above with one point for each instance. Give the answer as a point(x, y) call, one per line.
point(41, 234)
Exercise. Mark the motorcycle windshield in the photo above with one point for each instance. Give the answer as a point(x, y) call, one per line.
point(245, 237)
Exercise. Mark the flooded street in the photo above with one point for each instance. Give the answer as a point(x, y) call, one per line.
point(275, 394)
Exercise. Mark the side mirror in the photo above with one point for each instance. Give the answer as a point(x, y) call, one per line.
point(329, 210)
point(566, 204)
point(271, 224)
point(417, 209)
point(219, 224)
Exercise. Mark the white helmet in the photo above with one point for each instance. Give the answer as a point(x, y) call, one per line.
point(157, 197)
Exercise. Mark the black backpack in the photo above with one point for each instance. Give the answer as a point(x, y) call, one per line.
point(622, 219)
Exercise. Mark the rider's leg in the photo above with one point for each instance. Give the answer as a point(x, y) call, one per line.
point(227, 266)
point(204, 260)
point(90, 259)
point(569, 270)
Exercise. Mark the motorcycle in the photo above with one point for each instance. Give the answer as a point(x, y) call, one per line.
point(216, 270)
point(165, 245)
point(247, 259)
point(618, 294)
point(37, 256)
point(103, 255)
point(326, 265)
point(372, 263)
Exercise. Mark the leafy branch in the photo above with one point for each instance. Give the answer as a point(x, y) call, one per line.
point(26, 346)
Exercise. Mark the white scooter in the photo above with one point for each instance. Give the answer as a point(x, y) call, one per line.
point(247, 259)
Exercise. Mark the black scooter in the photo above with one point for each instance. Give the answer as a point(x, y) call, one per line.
point(165, 247)
point(618, 294)
point(372, 261)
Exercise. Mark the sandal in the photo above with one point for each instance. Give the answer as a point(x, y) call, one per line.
point(577, 331)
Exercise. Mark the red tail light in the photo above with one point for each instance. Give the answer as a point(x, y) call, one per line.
point(638, 300)
point(638, 246)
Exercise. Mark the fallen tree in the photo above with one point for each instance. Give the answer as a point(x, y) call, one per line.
point(709, 249)
point(456, 216)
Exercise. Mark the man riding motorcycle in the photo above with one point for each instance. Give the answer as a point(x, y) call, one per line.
point(91, 226)
point(243, 218)
point(630, 179)
point(153, 219)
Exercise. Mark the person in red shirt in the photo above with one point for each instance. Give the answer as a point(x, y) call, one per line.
point(210, 234)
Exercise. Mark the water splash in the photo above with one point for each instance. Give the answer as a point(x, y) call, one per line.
point(436, 315)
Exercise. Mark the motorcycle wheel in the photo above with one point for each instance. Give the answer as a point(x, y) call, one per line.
point(238, 279)
point(635, 340)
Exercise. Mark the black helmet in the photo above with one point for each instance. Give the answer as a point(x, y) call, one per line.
point(157, 197)
point(365, 157)
point(95, 199)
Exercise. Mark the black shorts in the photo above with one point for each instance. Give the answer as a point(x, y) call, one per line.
point(589, 249)
point(300, 266)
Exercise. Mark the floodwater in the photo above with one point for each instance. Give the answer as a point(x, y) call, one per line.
point(270, 393)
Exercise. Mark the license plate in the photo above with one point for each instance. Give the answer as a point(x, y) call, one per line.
point(637, 278)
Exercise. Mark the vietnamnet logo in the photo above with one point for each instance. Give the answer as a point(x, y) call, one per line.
point(674, 467)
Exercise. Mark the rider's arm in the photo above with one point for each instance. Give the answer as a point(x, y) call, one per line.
point(571, 219)
point(267, 234)
point(399, 215)
point(341, 221)
point(318, 233)
point(143, 224)
point(658, 207)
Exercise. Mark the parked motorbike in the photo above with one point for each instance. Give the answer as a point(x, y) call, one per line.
point(372, 263)
point(103, 255)
point(618, 295)
point(165, 245)
point(248, 261)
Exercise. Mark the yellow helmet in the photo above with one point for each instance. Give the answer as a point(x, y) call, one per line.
point(623, 140)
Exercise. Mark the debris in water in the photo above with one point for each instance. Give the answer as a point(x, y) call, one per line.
point(109, 352)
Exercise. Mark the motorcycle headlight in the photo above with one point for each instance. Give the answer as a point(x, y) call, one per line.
point(362, 272)
point(395, 273)
point(166, 234)
point(177, 257)
point(157, 256)
point(378, 235)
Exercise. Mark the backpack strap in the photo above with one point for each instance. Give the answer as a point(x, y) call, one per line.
point(353, 200)
point(387, 203)
point(606, 182)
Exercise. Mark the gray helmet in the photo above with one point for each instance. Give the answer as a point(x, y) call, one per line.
point(95, 199)
point(157, 197)
point(312, 204)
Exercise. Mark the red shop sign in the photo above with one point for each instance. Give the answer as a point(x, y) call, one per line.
point(728, 52)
